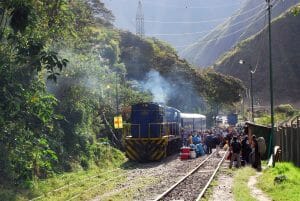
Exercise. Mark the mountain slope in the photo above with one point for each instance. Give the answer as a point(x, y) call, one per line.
point(248, 21)
point(286, 61)
point(155, 66)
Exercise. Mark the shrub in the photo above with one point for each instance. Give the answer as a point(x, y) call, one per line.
point(84, 163)
point(285, 108)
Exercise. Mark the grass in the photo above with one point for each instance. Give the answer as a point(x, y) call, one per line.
point(106, 181)
point(241, 191)
point(67, 185)
point(288, 190)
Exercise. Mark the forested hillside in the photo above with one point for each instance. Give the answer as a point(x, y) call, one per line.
point(249, 20)
point(65, 72)
point(286, 59)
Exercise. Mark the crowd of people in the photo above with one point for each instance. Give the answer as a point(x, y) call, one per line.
point(202, 142)
point(242, 150)
point(245, 151)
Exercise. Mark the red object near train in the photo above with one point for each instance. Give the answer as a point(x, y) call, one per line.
point(185, 153)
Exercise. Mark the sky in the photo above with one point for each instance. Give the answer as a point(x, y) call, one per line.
point(179, 22)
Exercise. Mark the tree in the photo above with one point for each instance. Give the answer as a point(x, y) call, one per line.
point(27, 109)
point(296, 10)
point(220, 91)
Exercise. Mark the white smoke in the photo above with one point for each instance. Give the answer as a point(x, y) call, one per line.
point(159, 87)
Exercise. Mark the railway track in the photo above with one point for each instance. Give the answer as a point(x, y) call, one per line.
point(193, 186)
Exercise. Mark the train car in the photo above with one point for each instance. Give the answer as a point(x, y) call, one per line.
point(193, 122)
point(154, 132)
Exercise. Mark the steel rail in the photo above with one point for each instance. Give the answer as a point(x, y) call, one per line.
point(160, 197)
point(211, 178)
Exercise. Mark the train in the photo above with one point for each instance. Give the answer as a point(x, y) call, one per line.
point(155, 131)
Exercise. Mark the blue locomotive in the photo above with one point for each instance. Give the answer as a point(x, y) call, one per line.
point(155, 131)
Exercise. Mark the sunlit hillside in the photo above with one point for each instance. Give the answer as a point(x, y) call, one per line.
point(286, 59)
point(243, 24)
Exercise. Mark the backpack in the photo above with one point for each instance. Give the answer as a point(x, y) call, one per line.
point(261, 145)
point(236, 147)
point(196, 140)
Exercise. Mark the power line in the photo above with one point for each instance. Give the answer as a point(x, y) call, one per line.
point(201, 32)
point(225, 36)
point(195, 33)
point(203, 21)
point(240, 37)
point(179, 34)
point(186, 22)
point(262, 43)
point(185, 6)
point(190, 7)
point(217, 38)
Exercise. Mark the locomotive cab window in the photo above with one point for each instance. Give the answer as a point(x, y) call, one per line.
point(161, 111)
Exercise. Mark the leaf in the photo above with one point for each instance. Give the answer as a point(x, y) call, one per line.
point(52, 77)
point(60, 66)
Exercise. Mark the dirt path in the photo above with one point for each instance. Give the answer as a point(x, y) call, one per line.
point(223, 189)
point(256, 192)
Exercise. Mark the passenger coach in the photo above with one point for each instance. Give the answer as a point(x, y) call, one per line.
point(193, 122)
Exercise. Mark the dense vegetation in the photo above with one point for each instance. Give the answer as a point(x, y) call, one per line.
point(209, 91)
point(49, 124)
point(65, 72)
point(283, 114)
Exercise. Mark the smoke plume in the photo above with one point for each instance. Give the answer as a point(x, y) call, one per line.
point(159, 87)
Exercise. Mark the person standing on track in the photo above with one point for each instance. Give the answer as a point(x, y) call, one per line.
point(235, 149)
point(209, 143)
point(217, 142)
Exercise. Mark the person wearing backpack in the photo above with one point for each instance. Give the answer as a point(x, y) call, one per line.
point(235, 149)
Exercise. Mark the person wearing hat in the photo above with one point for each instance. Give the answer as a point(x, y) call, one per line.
point(235, 149)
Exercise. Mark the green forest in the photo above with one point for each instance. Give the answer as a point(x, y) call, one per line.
point(66, 72)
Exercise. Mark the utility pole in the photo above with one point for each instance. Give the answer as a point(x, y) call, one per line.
point(140, 31)
point(271, 80)
point(251, 91)
point(251, 88)
point(117, 95)
point(242, 107)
